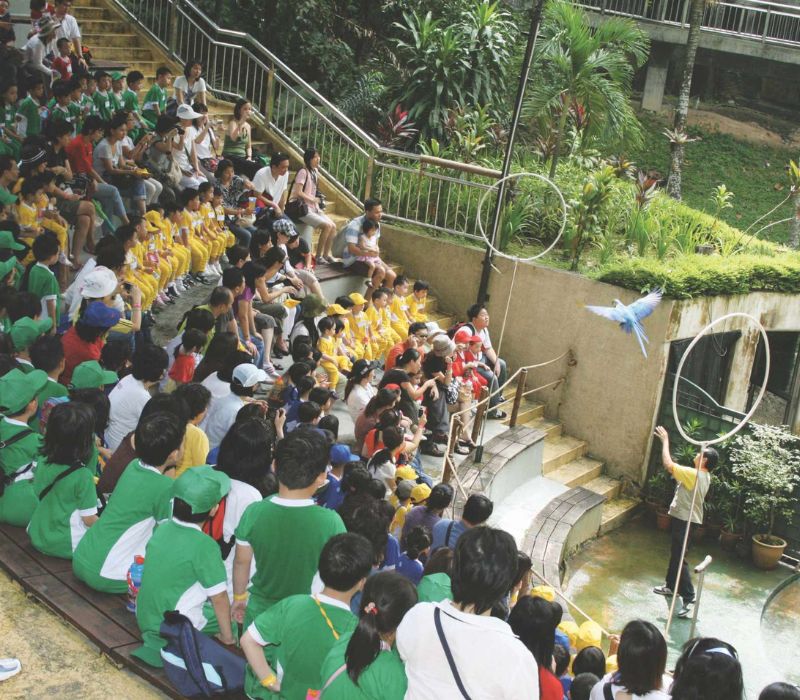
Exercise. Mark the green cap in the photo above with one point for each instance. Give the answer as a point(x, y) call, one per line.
point(6, 266)
point(116, 75)
point(18, 389)
point(202, 488)
point(26, 330)
point(7, 241)
point(90, 375)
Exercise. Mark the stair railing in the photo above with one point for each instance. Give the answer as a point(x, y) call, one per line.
point(459, 418)
point(433, 195)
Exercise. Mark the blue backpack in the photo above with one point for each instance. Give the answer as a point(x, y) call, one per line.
point(196, 665)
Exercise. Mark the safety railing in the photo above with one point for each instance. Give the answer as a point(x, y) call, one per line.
point(767, 22)
point(461, 418)
point(432, 194)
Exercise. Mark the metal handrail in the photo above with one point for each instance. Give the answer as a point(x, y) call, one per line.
point(771, 22)
point(429, 193)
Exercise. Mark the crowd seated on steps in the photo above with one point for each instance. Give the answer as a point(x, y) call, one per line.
point(217, 457)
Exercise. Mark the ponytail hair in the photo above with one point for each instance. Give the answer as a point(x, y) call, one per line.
point(387, 597)
point(417, 541)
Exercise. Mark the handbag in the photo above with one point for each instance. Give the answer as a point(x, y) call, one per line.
point(297, 208)
point(437, 621)
point(451, 393)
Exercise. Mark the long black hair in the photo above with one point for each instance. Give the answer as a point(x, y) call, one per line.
point(534, 621)
point(387, 597)
point(245, 452)
point(708, 669)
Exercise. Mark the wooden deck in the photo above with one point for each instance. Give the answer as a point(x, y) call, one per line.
point(101, 617)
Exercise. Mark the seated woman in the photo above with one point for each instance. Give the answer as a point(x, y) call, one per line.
point(111, 164)
point(238, 145)
point(234, 188)
point(304, 190)
point(136, 153)
point(190, 87)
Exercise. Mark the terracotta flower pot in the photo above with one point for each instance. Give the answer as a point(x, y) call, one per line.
point(728, 540)
point(766, 555)
point(662, 520)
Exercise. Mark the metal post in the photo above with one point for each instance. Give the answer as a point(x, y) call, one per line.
point(480, 416)
point(172, 28)
point(270, 106)
point(512, 134)
point(523, 375)
point(699, 569)
point(370, 172)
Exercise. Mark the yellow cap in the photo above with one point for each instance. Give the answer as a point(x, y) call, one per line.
point(154, 217)
point(356, 298)
point(570, 628)
point(335, 310)
point(405, 473)
point(589, 635)
point(420, 493)
point(545, 592)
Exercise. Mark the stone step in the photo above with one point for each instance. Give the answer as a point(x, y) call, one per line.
point(553, 429)
point(617, 512)
point(577, 472)
point(561, 451)
point(84, 12)
point(528, 411)
point(102, 27)
point(128, 53)
point(121, 40)
point(605, 486)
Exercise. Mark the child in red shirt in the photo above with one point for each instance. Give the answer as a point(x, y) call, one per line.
point(63, 62)
point(187, 355)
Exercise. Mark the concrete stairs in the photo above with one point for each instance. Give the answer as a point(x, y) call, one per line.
point(111, 36)
point(566, 461)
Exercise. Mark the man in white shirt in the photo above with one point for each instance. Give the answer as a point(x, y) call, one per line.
point(128, 398)
point(456, 649)
point(272, 181)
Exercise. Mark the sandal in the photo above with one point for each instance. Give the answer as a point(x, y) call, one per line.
point(462, 450)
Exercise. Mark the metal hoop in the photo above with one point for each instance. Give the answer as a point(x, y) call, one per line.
point(750, 413)
point(514, 176)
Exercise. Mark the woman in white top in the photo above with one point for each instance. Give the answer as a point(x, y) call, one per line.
point(305, 189)
point(359, 389)
point(642, 659)
point(190, 87)
point(206, 143)
point(184, 151)
point(136, 153)
point(114, 167)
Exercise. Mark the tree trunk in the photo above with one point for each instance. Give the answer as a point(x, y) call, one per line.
point(794, 227)
point(562, 124)
point(681, 112)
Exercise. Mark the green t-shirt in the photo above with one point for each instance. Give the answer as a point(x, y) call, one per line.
point(8, 115)
point(286, 538)
point(104, 104)
point(70, 114)
point(43, 283)
point(383, 679)
point(87, 105)
point(434, 588)
point(141, 500)
point(29, 118)
point(57, 524)
point(130, 101)
point(18, 500)
point(182, 568)
point(156, 97)
point(51, 390)
point(6, 198)
point(302, 638)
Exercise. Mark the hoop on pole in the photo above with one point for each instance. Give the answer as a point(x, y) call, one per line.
point(516, 176)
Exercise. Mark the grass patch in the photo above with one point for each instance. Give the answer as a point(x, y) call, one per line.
point(749, 170)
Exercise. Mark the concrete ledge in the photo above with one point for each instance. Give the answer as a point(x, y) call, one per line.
point(509, 460)
point(560, 527)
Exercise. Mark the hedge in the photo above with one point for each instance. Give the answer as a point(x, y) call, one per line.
point(707, 275)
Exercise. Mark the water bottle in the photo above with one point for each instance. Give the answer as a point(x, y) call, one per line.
point(134, 581)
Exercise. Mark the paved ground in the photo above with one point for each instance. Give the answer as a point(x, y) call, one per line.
point(612, 578)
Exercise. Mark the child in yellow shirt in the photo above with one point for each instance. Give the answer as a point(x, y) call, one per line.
point(216, 241)
point(166, 250)
point(190, 234)
point(219, 210)
point(416, 301)
point(34, 217)
point(360, 328)
point(383, 337)
point(333, 360)
point(401, 318)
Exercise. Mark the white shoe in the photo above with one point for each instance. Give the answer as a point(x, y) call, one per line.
point(64, 260)
point(8, 668)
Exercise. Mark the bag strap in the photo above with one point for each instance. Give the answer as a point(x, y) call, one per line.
point(447, 534)
point(437, 620)
point(15, 438)
point(338, 672)
point(607, 694)
point(63, 475)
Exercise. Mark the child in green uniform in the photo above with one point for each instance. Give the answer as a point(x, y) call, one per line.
point(10, 143)
point(130, 103)
point(23, 332)
point(365, 665)
point(102, 97)
point(141, 500)
point(86, 102)
point(155, 101)
point(435, 584)
point(31, 110)
point(64, 109)
point(183, 566)
point(47, 354)
point(19, 445)
point(303, 628)
point(285, 533)
point(63, 483)
point(8, 242)
point(40, 279)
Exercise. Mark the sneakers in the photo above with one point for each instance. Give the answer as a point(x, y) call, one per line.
point(497, 415)
point(686, 609)
point(663, 590)
point(8, 668)
point(272, 373)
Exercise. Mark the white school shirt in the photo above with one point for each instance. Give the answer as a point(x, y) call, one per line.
point(127, 400)
point(597, 691)
point(239, 497)
point(491, 661)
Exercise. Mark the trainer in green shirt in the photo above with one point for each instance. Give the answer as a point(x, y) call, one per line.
point(43, 283)
point(19, 445)
point(183, 566)
point(295, 635)
point(140, 501)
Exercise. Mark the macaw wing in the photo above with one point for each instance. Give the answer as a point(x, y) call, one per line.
point(609, 312)
point(638, 331)
point(642, 308)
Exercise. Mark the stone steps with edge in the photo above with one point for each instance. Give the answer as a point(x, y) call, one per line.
point(560, 451)
point(618, 511)
point(577, 472)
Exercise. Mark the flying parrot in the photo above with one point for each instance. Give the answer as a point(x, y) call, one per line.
point(630, 317)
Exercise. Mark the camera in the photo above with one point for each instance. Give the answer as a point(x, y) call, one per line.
point(180, 130)
point(322, 201)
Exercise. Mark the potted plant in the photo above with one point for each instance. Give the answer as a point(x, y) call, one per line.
point(766, 462)
point(658, 497)
point(730, 534)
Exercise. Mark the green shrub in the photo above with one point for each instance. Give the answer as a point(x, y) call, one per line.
point(707, 275)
